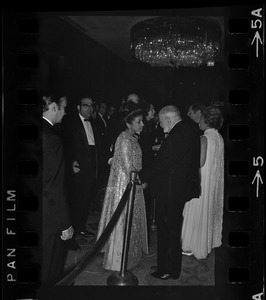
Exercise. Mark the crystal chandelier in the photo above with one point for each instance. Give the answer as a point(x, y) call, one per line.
point(176, 41)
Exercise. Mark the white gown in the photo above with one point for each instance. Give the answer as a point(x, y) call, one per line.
point(203, 217)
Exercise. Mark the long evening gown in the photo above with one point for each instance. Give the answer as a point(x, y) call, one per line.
point(203, 217)
point(127, 158)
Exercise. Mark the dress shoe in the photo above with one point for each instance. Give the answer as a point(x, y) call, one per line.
point(87, 233)
point(163, 276)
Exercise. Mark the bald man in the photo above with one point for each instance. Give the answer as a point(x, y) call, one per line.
point(133, 97)
point(174, 180)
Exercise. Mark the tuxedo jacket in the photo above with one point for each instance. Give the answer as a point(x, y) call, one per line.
point(55, 214)
point(157, 133)
point(78, 149)
point(99, 124)
point(194, 125)
point(174, 175)
point(146, 143)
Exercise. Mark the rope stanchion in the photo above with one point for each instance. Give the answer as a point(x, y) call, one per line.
point(70, 278)
point(124, 277)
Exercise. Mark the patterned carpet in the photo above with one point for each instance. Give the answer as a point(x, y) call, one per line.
point(194, 272)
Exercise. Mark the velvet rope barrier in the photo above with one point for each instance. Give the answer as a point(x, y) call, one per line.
point(124, 277)
point(68, 279)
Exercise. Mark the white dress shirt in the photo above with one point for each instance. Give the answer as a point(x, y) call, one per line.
point(48, 120)
point(88, 129)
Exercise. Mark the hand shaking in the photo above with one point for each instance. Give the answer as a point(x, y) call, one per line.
point(67, 234)
point(75, 167)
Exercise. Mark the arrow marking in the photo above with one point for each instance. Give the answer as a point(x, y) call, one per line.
point(259, 179)
point(257, 38)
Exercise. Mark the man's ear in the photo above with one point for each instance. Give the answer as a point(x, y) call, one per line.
point(53, 106)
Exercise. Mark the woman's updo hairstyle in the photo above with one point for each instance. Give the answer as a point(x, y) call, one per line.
point(130, 110)
point(213, 117)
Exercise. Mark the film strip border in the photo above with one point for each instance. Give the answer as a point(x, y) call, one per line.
point(239, 271)
point(22, 148)
point(244, 151)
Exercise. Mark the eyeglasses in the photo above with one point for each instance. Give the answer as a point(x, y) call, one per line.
point(87, 105)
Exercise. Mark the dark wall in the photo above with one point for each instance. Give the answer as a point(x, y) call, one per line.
point(205, 85)
point(152, 83)
point(182, 86)
point(76, 65)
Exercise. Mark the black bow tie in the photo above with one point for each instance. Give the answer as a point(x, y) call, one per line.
point(86, 120)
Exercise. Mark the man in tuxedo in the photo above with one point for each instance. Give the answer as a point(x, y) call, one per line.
point(56, 226)
point(194, 115)
point(157, 133)
point(173, 179)
point(100, 121)
point(82, 151)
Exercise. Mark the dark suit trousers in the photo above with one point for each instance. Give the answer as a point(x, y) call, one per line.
point(82, 200)
point(54, 256)
point(148, 204)
point(169, 221)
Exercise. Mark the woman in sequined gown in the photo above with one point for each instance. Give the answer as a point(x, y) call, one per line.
point(203, 216)
point(127, 157)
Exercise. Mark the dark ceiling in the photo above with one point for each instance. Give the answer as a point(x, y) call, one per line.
point(113, 32)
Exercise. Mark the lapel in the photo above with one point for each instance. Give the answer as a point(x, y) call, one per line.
point(47, 126)
point(95, 134)
point(102, 120)
point(176, 127)
point(81, 129)
point(85, 136)
point(83, 132)
point(171, 133)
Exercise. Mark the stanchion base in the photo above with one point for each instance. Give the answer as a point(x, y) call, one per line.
point(116, 279)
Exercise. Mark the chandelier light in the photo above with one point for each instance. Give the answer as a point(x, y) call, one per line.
point(176, 41)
